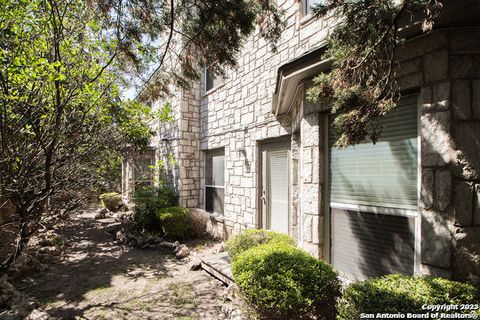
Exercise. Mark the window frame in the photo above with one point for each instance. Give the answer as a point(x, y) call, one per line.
point(212, 153)
point(306, 4)
point(216, 81)
point(416, 214)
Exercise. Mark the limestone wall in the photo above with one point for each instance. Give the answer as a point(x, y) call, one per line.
point(446, 67)
point(237, 116)
point(443, 67)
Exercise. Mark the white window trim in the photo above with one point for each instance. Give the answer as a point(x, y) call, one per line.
point(205, 186)
point(376, 209)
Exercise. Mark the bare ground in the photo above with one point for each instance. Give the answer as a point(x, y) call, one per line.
point(99, 279)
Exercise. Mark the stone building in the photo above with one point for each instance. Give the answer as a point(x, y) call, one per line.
point(253, 153)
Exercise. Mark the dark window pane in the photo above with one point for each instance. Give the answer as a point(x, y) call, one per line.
point(366, 244)
point(211, 80)
point(214, 199)
point(215, 168)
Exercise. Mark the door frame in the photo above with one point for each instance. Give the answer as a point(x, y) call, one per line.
point(261, 177)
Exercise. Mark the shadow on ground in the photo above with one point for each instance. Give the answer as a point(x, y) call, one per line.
point(99, 279)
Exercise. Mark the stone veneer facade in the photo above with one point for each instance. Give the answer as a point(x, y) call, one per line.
point(443, 67)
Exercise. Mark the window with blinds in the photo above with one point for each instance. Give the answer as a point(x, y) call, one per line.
point(382, 174)
point(373, 199)
point(214, 180)
point(277, 190)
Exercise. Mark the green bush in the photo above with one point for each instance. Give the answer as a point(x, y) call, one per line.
point(110, 200)
point(255, 237)
point(406, 294)
point(148, 201)
point(174, 223)
point(283, 282)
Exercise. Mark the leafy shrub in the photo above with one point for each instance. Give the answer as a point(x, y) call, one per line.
point(398, 293)
point(283, 282)
point(110, 200)
point(148, 200)
point(255, 237)
point(174, 222)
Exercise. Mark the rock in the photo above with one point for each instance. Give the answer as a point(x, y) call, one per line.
point(46, 258)
point(26, 264)
point(231, 312)
point(123, 208)
point(100, 216)
point(182, 253)
point(120, 236)
point(45, 243)
point(220, 248)
point(128, 226)
point(18, 304)
point(54, 251)
point(158, 240)
point(37, 315)
point(196, 264)
point(101, 213)
point(229, 292)
point(168, 245)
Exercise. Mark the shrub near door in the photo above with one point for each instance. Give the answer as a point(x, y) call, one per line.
point(283, 282)
point(254, 237)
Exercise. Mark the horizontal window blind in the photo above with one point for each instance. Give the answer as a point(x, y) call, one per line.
point(365, 244)
point(278, 193)
point(382, 174)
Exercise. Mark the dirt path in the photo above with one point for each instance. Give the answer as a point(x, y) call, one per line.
point(98, 279)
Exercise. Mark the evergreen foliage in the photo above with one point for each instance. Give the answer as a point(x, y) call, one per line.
point(361, 87)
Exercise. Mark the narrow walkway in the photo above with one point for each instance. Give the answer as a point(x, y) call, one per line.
point(98, 279)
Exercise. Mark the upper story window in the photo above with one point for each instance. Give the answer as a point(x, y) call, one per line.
point(309, 4)
point(211, 80)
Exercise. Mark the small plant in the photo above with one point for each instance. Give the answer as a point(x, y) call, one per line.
point(283, 282)
point(254, 237)
point(398, 293)
point(148, 201)
point(174, 223)
point(111, 200)
point(57, 240)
